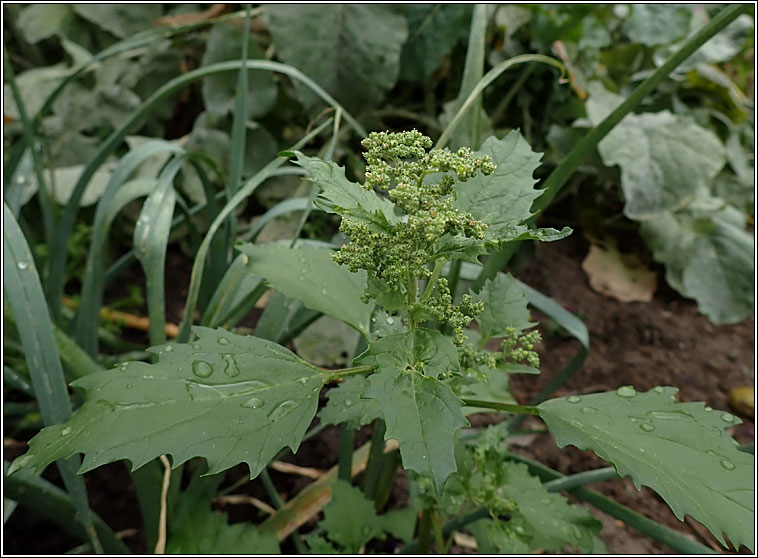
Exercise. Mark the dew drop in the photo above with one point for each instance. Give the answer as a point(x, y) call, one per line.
point(711, 452)
point(129, 386)
point(390, 320)
point(201, 369)
point(303, 261)
point(589, 411)
point(546, 502)
point(197, 346)
point(726, 417)
point(726, 464)
point(253, 403)
point(647, 427)
point(708, 409)
point(245, 259)
point(230, 366)
point(303, 381)
point(169, 348)
point(348, 403)
point(23, 265)
point(323, 292)
point(66, 431)
point(574, 399)
point(626, 391)
point(282, 409)
point(123, 368)
point(223, 341)
point(658, 389)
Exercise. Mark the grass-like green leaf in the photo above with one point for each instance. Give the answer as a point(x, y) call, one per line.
point(309, 274)
point(339, 195)
point(679, 450)
point(227, 398)
point(118, 193)
point(150, 242)
point(26, 299)
point(422, 414)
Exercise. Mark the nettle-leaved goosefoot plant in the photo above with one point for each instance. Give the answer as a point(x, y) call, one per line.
point(234, 399)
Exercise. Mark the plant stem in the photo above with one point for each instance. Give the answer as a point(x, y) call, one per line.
point(580, 479)
point(509, 407)
point(449, 527)
point(352, 371)
point(424, 531)
point(276, 499)
point(390, 461)
point(439, 539)
point(375, 460)
point(438, 265)
point(345, 462)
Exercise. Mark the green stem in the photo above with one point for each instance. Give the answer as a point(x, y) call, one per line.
point(343, 372)
point(438, 265)
point(375, 460)
point(390, 462)
point(439, 539)
point(276, 499)
point(580, 479)
point(515, 88)
point(345, 462)
point(424, 531)
point(509, 407)
point(488, 78)
point(450, 527)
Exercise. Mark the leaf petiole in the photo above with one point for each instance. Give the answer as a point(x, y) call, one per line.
point(509, 407)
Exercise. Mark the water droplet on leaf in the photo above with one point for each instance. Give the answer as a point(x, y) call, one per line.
point(169, 348)
point(726, 464)
point(708, 409)
point(282, 409)
point(574, 399)
point(626, 391)
point(589, 410)
point(658, 389)
point(253, 403)
point(230, 366)
point(23, 265)
point(197, 346)
point(647, 427)
point(348, 403)
point(201, 369)
point(66, 431)
point(726, 417)
point(223, 341)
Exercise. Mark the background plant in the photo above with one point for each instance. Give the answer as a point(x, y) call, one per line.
point(194, 188)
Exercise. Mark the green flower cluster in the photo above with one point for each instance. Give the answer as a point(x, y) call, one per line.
point(515, 348)
point(421, 184)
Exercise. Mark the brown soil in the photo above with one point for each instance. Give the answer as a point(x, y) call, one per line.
point(665, 342)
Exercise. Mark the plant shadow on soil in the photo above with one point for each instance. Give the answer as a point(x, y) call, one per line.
point(664, 342)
